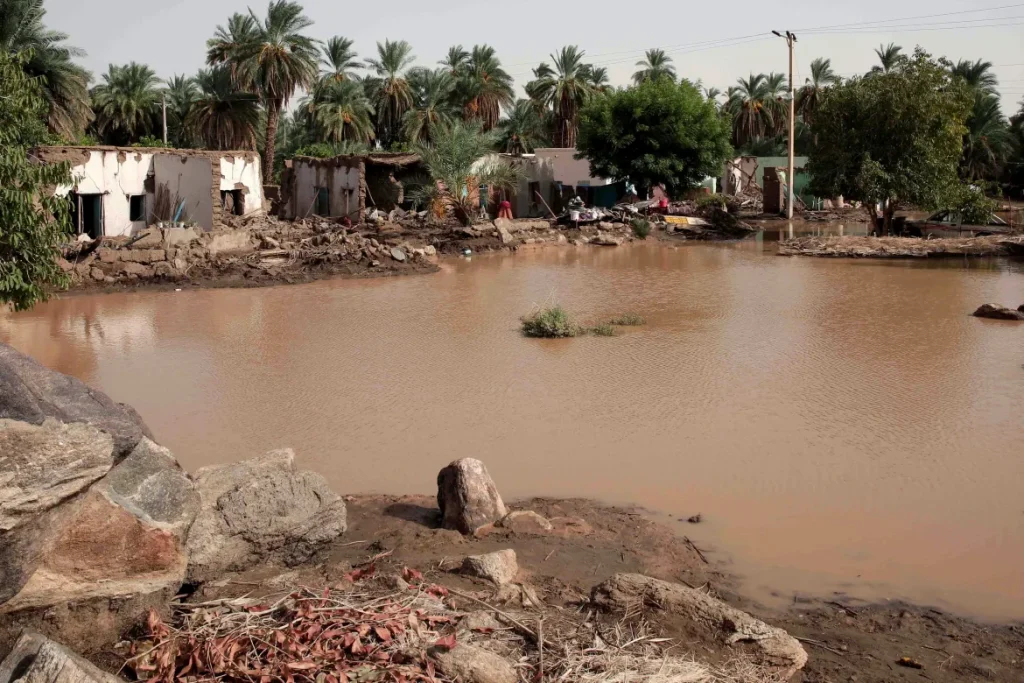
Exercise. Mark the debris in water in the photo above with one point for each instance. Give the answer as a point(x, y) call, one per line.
point(696, 519)
point(909, 663)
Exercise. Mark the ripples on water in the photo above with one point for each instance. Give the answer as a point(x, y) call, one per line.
point(841, 425)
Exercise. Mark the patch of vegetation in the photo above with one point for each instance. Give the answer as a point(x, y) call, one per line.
point(710, 202)
point(641, 227)
point(628, 320)
point(605, 330)
point(550, 323)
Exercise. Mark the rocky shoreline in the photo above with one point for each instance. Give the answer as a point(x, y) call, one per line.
point(852, 246)
point(108, 549)
point(264, 251)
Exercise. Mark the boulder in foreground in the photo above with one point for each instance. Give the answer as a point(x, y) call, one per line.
point(473, 664)
point(467, 496)
point(261, 510)
point(500, 567)
point(775, 648)
point(31, 393)
point(997, 312)
point(36, 659)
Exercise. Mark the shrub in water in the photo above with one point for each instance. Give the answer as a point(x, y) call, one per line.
point(641, 227)
point(551, 322)
point(602, 331)
point(627, 320)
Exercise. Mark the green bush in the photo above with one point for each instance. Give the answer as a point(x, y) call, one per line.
point(641, 227)
point(710, 202)
point(973, 206)
point(628, 320)
point(550, 323)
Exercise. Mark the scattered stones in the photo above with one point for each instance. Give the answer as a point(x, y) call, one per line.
point(997, 312)
point(570, 526)
point(472, 664)
point(714, 618)
point(397, 254)
point(498, 567)
point(30, 393)
point(97, 274)
point(504, 227)
point(467, 496)
point(605, 240)
point(261, 510)
point(525, 522)
point(480, 621)
point(36, 659)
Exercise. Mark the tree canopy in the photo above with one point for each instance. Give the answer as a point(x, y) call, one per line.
point(892, 137)
point(35, 222)
point(656, 132)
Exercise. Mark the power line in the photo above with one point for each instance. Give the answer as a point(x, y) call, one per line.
point(924, 16)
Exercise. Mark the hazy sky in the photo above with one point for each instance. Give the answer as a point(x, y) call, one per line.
point(170, 35)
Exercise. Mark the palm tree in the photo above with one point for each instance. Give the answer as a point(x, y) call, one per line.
point(341, 111)
point(485, 87)
point(522, 129)
point(392, 94)
point(815, 88)
point(65, 85)
point(454, 162)
point(271, 59)
point(565, 89)
point(181, 93)
point(597, 78)
point(339, 60)
point(776, 105)
point(751, 118)
point(889, 56)
point(712, 93)
point(222, 116)
point(432, 108)
point(655, 65)
point(988, 142)
point(977, 75)
point(455, 60)
point(127, 102)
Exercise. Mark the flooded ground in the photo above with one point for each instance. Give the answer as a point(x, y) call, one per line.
point(840, 425)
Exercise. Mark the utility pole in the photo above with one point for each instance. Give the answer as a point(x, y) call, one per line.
point(790, 179)
point(164, 107)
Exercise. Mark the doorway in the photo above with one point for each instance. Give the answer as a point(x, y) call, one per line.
point(87, 214)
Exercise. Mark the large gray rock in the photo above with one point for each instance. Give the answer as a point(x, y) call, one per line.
point(473, 664)
point(504, 227)
point(261, 510)
point(708, 617)
point(31, 393)
point(122, 537)
point(36, 659)
point(467, 496)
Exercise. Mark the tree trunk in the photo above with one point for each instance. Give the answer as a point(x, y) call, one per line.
point(273, 114)
point(872, 211)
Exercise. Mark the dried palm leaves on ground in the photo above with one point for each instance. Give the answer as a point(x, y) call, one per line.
point(370, 632)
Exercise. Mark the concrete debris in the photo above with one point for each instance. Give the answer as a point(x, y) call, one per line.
point(998, 312)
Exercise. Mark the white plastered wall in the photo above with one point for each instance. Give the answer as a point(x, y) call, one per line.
point(235, 171)
point(115, 175)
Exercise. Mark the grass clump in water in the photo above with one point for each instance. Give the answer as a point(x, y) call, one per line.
point(641, 227)
point(550, 323)
point(628, 320)
point(605, 330)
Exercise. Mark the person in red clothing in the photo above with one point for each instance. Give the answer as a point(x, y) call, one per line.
point(505, 209)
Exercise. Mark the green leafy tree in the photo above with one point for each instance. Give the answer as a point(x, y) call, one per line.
point(127, 103)
point(222, 116)
point(891, 139)
point(657, 132)
point(34, 221)
point(182, 92)
point(391, 93)
point(656, 64)
point(46, 56)
point(1015, 165)
point(457, 167)
point(522, 129)
point(271, 58)
point(988, 142)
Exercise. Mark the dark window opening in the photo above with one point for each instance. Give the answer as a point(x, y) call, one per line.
point(137, 208)
point(87, 214)
point(233, 201)
point(323, 202)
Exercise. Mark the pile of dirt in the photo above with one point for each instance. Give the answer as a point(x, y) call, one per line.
point(894, 247)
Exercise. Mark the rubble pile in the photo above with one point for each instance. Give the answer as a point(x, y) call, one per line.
point(895, 247)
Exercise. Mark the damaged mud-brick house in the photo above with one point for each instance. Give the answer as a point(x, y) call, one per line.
point(553, 176)
point(118, 191)
point(346, 186)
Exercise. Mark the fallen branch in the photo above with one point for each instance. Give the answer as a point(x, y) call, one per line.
point(512, 620)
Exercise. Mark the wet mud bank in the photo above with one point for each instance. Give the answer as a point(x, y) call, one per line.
point(901, 247)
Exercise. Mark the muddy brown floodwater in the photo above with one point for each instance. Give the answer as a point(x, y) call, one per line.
point(840, 425)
